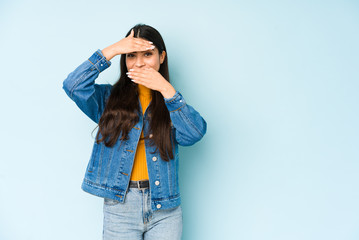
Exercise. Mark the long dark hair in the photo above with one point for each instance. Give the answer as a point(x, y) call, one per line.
point(122, 107)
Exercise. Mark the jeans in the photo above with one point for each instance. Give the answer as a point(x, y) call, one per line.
point(134, 219)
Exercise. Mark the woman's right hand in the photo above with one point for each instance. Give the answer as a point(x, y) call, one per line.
point(127, 45)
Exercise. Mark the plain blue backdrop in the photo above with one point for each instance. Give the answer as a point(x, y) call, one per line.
point(276, 81)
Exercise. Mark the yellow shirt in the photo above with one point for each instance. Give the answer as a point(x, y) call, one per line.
point(139, 170)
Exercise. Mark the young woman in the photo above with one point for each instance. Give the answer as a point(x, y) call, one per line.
point(142, 119)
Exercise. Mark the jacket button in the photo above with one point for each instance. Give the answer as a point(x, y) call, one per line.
point(158, 206)
point(157, 183)
point(154, 159)
point(151, 135)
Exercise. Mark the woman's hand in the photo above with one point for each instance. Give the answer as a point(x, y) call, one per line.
point(152, 79)
point(127, 45)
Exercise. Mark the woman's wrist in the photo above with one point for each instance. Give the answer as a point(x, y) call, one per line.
point(108, 52)
point(168, 91)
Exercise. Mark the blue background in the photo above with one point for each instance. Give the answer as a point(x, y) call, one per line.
point(276, 81)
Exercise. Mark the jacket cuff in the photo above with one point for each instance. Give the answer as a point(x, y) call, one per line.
point(175, 103)
point(99, 61)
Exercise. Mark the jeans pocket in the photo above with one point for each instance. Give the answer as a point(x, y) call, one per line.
point(110, 202)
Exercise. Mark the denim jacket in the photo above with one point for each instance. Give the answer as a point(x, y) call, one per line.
point(109, 169)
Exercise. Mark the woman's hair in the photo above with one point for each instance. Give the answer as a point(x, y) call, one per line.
point(122, 107)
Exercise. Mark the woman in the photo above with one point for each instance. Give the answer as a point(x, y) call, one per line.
point(142, 119)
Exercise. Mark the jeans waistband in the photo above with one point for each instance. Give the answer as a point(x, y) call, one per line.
point(140, 184)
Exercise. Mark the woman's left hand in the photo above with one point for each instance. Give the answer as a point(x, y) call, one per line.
point(152, 79)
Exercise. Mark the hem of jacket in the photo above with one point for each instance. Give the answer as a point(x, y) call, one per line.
point(119, 195)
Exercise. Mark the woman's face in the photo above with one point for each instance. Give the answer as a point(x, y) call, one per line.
point(150, 58)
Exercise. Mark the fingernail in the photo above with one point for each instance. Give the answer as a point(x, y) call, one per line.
point(151, 42)
point(131, 70)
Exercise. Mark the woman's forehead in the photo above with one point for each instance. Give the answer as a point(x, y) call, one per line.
point(155, 50)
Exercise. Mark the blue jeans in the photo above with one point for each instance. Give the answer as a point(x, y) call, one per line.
point(134, 219)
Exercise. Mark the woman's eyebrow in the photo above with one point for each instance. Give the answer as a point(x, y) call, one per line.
point(149, 50)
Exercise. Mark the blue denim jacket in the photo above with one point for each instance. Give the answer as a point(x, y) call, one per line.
point(109, 169)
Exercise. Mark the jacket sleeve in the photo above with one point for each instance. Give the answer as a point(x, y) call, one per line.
point(189, 125)
point(81, 88)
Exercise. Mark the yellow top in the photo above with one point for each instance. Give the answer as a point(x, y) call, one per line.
point(139, 170)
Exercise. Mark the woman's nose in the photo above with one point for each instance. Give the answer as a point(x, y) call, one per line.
point(139, 62)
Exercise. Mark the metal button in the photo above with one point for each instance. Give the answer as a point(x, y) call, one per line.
point(101, 64)
point(158, 206)
point(154, 159)
point(180, 100)
point(157, 183)
point(151, 135)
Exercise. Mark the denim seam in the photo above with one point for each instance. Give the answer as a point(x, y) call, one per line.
point(91, 62)
point(169, 177)
point(93, 157)
point(102, 57)
point(167, 199)
point(95, 101)
point(103, 186)
point(78, 82)
point(108, 165)
point(94, 64)
point(178, 108)
point(100, 164)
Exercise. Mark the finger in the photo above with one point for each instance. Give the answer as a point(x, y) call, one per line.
point(143, 69)
point(145, 45)
point(139, 76)
point(131, 33)
point(143, 41)
point(136, 74)
point(143, 48)
point(139, 81)
point(148, 71)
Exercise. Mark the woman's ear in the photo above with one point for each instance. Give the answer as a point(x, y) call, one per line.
point(162, 57)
